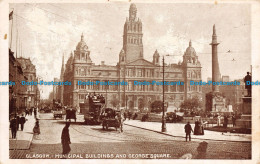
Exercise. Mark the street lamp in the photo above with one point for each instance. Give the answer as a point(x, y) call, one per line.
point(163, 116)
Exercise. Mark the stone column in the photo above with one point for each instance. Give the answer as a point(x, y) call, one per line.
point(215, 66)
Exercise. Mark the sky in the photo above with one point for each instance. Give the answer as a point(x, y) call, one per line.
point(46, 32)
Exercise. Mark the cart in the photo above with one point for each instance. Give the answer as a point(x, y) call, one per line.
point(109, 119)
point(58, 112)
point(71, 114)
point(110, 122)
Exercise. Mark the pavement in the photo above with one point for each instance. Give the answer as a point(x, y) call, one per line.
point(23, 138)
point(92, 142)
point(177, 130)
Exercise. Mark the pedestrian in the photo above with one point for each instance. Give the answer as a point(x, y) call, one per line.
point(135, 116)
point(65, 139)
point(129, 115)
point(35, 113)
point(188, 130)
point(31, 109)
point(202, 127)
point(120, 119)
point(13, 126)
point(196, 128)
point(22, 121)
point(36, 129)
point(225, 121)
point(234, 120)
point(26, 112)
point(18, 122)
point(218, 120)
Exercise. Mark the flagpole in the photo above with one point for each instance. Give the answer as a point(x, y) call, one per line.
point(11, 29)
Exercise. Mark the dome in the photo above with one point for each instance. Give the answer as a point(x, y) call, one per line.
point(190, 51)
point(82, 44)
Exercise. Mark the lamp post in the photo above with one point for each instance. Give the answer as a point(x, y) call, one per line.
point(163, 116)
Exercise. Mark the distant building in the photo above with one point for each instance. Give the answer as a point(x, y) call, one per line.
point(225, 78)
point(131, 67)
point(17, 100)
point(31, 94)
point(59, 89)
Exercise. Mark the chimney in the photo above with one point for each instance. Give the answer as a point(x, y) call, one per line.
point(102, 63)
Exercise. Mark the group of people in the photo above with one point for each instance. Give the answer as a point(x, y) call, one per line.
point(17, 121)
point(225, 120)
point(30, 111)
point(130, 115)
point(198, 129)
point(94, 96)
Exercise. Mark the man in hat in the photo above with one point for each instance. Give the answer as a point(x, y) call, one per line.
point(22, 121)
point(65, 139)
point(188, 130)
point(13, 126)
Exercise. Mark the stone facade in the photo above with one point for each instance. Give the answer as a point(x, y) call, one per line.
point(31, 94)
point(131, 67)
point(17, 100)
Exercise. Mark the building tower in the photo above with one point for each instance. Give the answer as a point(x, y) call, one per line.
point(82, 54)
point(81, 64)
point(132, 37)
point(215, 66)
point(192, 71)
point(156, 58)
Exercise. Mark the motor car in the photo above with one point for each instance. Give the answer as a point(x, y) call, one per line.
point(173, 117)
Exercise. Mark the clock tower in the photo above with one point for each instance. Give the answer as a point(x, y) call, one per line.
point(132, 37)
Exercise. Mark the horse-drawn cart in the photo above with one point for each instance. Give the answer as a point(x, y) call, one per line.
point(110, 118)
point(71, 114)
point(110, 122)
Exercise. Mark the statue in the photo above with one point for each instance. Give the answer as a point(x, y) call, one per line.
point(248, 85)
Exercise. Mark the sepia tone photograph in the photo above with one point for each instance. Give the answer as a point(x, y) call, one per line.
point(126, 80)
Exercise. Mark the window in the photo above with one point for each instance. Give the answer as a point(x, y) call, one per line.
point(139, 73)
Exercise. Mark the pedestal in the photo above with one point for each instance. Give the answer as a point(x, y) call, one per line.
point(247, 105)
point(215, 102)
point(246, 117)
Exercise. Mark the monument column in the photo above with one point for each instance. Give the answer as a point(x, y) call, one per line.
point(215, 100)
point(215, 66)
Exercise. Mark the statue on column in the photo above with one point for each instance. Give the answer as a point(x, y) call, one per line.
point(248, 85)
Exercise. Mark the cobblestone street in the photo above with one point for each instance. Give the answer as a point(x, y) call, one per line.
point(93, 142)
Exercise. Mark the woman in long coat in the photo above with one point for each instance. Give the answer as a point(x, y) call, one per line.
point(196, 128)
point(65, 139)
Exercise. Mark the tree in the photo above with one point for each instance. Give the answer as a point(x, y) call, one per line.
point(191, 104)
point(141, 104)
point(156, 106)
point(114, 102)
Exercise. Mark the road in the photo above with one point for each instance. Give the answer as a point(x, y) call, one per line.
point(93, 142)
